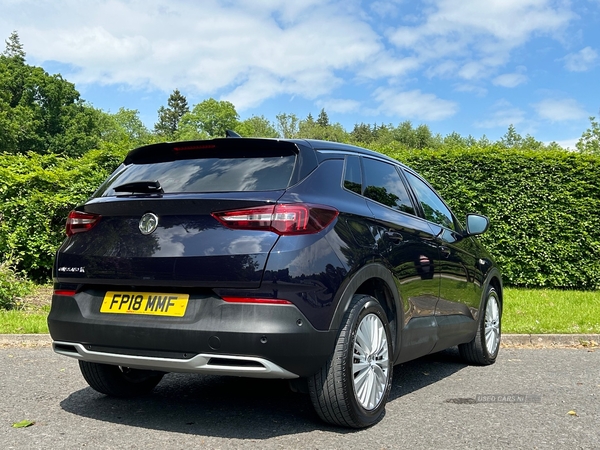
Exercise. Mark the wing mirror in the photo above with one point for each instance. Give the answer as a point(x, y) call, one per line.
point(476, 224)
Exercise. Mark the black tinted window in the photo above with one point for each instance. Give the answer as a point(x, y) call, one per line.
point(384, 185)
point(213, 174)
point(352, 175)
point(434, 208)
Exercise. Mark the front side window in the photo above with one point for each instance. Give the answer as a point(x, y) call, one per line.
point(433, 207)
point(384, 185)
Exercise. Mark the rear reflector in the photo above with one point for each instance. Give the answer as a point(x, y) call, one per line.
point(269, 301)
point(283, 219)
point(65, 292)
point(78, 222)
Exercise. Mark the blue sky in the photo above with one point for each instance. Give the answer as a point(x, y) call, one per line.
point(469, 66)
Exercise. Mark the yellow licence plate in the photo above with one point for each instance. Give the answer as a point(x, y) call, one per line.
point(151, 303)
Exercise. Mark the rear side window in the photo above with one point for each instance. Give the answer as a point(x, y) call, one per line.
point(215, 172)
point(352, 175)
point(384, 185)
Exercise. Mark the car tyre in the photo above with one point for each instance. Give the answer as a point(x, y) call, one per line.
point(484, 347)
point(117, 381)
point(352, 388)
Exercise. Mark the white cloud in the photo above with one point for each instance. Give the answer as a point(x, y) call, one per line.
point(560, 110)
point(414, 105)
point(566, 143)
point(503, 115)
point(385, 65)
point(385, 8)
point(248, 51)
point(466, 87)
point(583, 60)
point(340, 105)
point(480, 35)
point(442, 69)
point(242, 50)
point(510, 80)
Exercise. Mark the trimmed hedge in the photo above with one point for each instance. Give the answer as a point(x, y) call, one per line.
point(36, 194)
point(544, 206)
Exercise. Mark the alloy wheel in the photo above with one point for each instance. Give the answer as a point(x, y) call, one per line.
point(370, 365)
point(492, 324)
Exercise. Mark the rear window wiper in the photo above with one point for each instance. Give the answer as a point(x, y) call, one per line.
point(141, 187)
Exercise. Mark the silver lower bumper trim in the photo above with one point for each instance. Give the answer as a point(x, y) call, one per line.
point(261, 368)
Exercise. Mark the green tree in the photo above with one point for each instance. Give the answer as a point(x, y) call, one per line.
point(384, 134)
point(589, 142)
point(323, 119)
point(362, 133)
point(405, 134)
point(257, 126)
point(454, 139)
point(531, 143)
point(511, 139)
point(169, 117)
point(321, 129)
point(126, 128)
point(423, 137)
point(287, 125)
point(40, 112)
point(309, 129)
point(14, 48)
point(210, 118)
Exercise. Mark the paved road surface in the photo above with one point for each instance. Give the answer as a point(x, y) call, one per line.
point(432, 405)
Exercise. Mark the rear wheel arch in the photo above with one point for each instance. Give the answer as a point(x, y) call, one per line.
point(352, 388)
point(376, 281)
point(497, 284)
point(485, 344)
point(493, 279)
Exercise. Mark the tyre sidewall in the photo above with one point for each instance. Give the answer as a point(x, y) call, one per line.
point(490, 357)
point(365, 306)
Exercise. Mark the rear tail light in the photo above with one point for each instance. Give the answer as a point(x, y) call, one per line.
point(78, 222)
point(283, 219)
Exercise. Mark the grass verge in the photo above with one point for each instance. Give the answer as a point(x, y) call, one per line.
point(24, 321)
point(29, 314)
point(544, 311)
point(526, 311)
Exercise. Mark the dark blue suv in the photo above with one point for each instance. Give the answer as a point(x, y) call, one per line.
point(321, 263)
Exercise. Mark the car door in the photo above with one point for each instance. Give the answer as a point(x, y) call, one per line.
point(406, 244)
point(458, 268)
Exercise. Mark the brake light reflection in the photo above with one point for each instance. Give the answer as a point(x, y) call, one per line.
point(269, 301)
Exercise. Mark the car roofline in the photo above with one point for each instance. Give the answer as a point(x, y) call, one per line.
point(315, 144)
point(329, 146)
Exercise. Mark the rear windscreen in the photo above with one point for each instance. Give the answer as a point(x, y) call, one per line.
point(226, 173)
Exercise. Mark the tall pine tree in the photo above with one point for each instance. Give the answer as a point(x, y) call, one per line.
point(323, 119)
point(169, 117)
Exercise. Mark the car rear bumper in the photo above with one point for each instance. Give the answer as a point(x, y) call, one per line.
point(209, 364)
point(213, 337)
